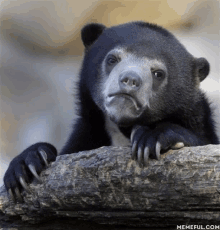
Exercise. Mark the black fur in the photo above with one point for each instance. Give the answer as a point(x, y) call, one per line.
point(179, 111)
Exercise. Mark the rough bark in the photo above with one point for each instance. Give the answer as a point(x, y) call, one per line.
point(102, 188)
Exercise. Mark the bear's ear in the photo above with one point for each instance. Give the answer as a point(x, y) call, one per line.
point(202, 68)
point(90, 33)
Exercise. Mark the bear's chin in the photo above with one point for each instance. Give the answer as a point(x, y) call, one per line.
point(122, 111)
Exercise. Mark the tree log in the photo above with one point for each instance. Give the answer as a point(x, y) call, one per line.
point(104, 188)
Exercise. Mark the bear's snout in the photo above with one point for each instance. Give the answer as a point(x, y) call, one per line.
point(129, 81)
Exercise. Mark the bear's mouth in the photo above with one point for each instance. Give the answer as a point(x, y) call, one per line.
point(135, 101)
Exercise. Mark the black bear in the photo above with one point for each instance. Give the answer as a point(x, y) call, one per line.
point(138, 86)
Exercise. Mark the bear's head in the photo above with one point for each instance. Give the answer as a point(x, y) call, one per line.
point(139, 73)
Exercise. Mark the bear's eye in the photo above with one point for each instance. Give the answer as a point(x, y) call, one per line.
point(111, 60)
point(159, 74)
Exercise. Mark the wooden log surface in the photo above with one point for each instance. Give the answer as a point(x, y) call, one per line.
point(104, 188)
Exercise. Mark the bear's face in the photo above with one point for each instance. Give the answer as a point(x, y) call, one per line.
point(135, 71)
point(130, 84)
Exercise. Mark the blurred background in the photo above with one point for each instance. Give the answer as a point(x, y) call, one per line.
point(41, 52)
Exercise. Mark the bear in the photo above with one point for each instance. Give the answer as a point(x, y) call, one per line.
point(138, 87)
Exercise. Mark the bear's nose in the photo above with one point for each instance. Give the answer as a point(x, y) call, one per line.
point(130, 81)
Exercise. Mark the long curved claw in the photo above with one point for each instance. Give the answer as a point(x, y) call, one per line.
point(133, 151)
point(178, 145)
point(158, 148)
point(140, 156)
point(34, 172)
point(24, 185)
point(133, 132)
point(18, 194)
point(44, 156)
point(146, 155)
point(11, 194)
